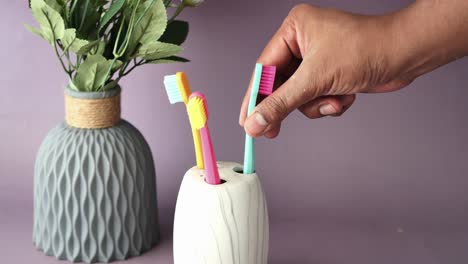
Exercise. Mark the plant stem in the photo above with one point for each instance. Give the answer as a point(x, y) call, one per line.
point(69, 62)
point(60, 59)
point(136, 64)
point(78, 61)
point(124, 67)
point(55, 46)
point(121, 51)
point(84, 15)
point(66, 53)
point(167, 2)
point(73, 5)
point(101, 85)
point(177, 12)
point(125, 73)
point(117, 39)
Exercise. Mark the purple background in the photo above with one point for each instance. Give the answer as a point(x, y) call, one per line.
point(385, 183)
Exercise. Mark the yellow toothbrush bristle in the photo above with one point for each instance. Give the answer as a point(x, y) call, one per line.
point(184, 86)
point(197, 113)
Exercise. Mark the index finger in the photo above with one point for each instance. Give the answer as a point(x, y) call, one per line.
point(283, 52)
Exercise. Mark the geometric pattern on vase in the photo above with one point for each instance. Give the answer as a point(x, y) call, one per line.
point(95, 194)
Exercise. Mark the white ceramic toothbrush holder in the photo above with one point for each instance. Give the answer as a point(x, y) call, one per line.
point(226, 223)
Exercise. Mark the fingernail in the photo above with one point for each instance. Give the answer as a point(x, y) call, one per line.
point(256, 124)
point(327, 109)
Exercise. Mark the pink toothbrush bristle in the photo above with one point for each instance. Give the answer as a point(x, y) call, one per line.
point(267, 80)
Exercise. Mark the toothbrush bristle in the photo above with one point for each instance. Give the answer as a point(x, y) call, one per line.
point(172, 89)
point(267, 80)
point(198, 113)
point(201, 97)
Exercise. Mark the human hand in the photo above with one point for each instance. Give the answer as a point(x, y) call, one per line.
point(324, 57)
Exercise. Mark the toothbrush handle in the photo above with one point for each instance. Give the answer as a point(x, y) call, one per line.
point(211, 168)
point(198, 148)
point(249, 154)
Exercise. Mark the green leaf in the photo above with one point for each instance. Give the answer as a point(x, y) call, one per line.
point(36, 31)
point(92, 73)
point(171, 59)
point(157, 50)
point(86, 49)
point(117, 65)
point(110, 85)
point(72, 86)
point(150, 23)
point(57, 5)
point(71, 42)
point(100, 3)
point(85, 17)
point(101, 47)
point(110, 13)
point(93, 48)
point(52, 25)
point(176, 32)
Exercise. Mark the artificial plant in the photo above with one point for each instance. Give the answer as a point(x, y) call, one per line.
point(98, 42)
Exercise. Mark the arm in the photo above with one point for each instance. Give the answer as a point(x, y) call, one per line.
point(429, 34)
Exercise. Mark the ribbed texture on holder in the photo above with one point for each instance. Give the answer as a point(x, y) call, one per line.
point(92, 113)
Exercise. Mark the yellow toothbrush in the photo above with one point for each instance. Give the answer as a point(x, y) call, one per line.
point(178, 91)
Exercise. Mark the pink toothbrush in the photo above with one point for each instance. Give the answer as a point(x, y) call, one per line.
point(198, 115)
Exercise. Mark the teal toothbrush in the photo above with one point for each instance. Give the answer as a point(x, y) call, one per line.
point(262, 83)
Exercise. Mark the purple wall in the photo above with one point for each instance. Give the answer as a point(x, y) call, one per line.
point(396, 160)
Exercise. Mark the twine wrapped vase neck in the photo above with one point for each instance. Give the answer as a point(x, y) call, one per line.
point(92, 109)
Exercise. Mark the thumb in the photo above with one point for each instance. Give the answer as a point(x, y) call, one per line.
point(276, 107)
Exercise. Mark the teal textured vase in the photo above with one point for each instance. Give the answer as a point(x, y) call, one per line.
point(95, 191)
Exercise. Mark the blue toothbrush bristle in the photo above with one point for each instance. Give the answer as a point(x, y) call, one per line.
point(172, 89)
